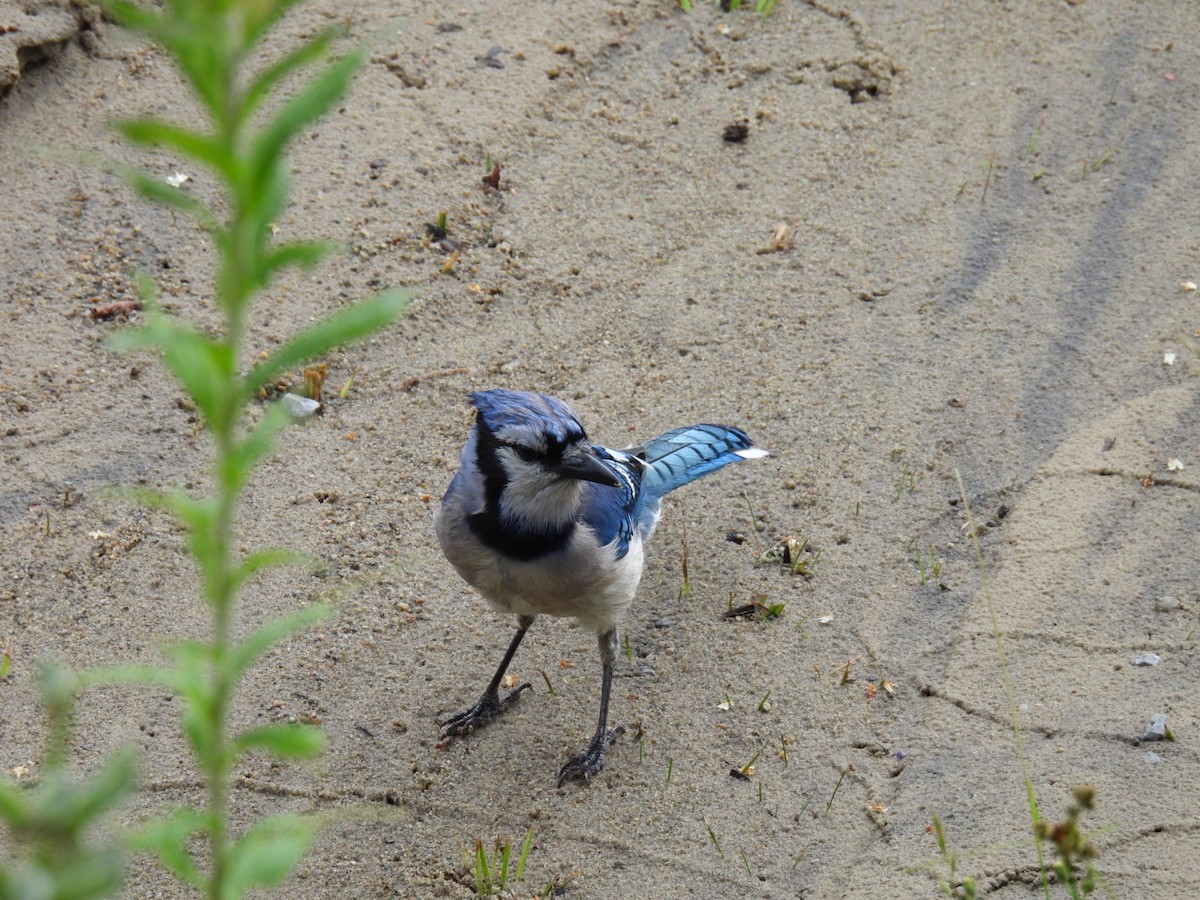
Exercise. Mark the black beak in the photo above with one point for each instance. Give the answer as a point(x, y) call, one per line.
point(583, 465)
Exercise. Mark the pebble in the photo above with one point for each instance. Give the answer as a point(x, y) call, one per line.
point(1156, 730)
point(300, 407)
point(1167, 603)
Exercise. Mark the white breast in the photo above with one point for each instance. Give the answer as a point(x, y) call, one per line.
point(584, 581)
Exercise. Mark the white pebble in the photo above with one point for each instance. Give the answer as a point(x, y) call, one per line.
point(300, 407)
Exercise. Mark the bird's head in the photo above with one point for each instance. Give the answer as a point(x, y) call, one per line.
point(535, 447)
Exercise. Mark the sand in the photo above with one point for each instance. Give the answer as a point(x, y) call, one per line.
point(954, 239)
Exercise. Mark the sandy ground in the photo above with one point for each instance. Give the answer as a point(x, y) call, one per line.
point(993, 212)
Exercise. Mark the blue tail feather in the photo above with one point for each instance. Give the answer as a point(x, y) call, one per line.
point(681, 456)
point(651, 471)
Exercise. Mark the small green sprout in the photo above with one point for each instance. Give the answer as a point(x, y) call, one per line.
point(712, 836)
point(952, 886)
point(836, 788)
point(491, 877)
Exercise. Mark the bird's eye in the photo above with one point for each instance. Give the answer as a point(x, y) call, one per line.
point(526, 453)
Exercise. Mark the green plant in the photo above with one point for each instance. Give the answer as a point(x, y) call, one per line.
point(52, 824)
point(557, 886)
point(212, 43)
point(929, 565)
point(685, 586)
point(836, 788)
point(762, 7)
point(439, 229)
point(1095, 165)
point(800, 558)
point(952, 886)
point(758, 608)
point(1072, 848)
point(712, 836)
point(755, 522)
point(746, 861)
point(1034, 139)
point(748, 768)
point(906, 482)
point(491, 878)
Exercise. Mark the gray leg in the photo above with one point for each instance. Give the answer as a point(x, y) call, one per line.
point(591, 761)
point(491, 704)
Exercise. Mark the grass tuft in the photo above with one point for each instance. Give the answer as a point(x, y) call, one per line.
point(492, 876)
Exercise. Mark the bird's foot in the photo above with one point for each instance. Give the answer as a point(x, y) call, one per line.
point(591, 761)
point(485, 709)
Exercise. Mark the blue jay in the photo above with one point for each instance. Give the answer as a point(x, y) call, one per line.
point(540, 521)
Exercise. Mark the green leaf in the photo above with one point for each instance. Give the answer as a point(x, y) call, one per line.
point(200, 147)
point(349, 324)
point(191, 513)
point(194, 36)
point(157, 190)
point(190, 656)
point(202, 365)
point(12, 804)
point(245, 454)
point(312, 101)
point(68, 807)
point(250, 649)
point(133, 16)
point(57, 683)
point(86, 875)
point(194, 682)
point(265, 854)
point(26, 879)
point(130, 673)
point(308, 52)
point(199, 42)
point(197, 728)
point(256, 18)
point(261, 202)
point(255, 562)
point(305, 254)
point(167, 837)
point(290, 741)
point(198, 517)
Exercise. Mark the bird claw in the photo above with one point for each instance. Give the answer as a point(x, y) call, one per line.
point(483, 711)
point(591, 761)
